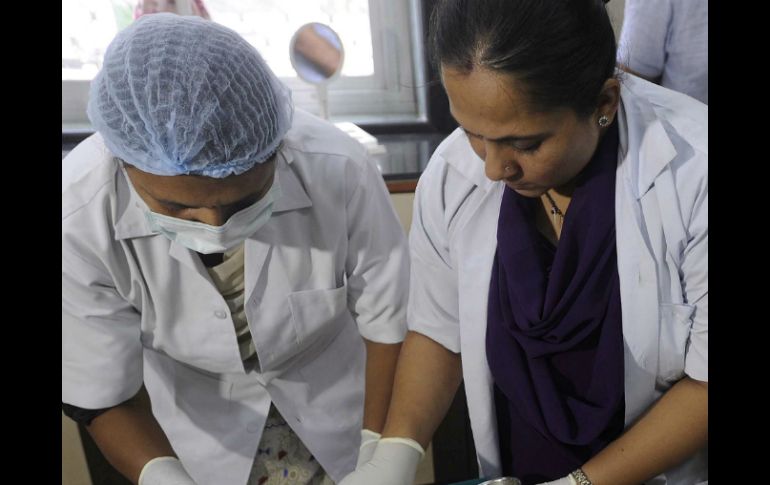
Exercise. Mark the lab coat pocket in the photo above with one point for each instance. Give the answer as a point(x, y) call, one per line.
point(318, 316)
point(675, 325)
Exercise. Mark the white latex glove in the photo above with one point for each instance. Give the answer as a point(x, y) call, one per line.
point(369, 441)
point(164, 470)
point(394, 462)
point(568, 480)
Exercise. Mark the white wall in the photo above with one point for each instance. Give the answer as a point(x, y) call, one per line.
point(74, 470)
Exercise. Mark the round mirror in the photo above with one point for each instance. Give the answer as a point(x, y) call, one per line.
point(316, 53)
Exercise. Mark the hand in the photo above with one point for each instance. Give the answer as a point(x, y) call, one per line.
point(394, 462)
point(568, 480)
point(164, 470)
point(369, 441)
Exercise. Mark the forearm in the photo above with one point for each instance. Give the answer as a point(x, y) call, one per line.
point(427, 378)
point(672, 430)
point(381, 362)
point(129, 436)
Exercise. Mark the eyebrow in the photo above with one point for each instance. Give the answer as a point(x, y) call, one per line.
point(253, 197)
point(510, 138)
point(503, 139)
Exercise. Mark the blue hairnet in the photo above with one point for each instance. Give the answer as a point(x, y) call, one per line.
point(183, 95)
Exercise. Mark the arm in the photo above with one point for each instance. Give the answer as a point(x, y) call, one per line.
point(377, 268)
point(642, 43)
point(129, 436)
point(102, 369)
point(427, 379)
point(672, 430)
point(380, 369)
point(428, 372)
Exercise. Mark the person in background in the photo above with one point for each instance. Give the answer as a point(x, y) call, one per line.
point(666, 42)
point(234, 276)
point(559, 259)
point(181, 7)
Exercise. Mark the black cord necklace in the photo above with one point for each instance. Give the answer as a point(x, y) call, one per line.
point(555, 211)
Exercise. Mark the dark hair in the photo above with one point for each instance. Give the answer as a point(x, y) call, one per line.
point(562, 51)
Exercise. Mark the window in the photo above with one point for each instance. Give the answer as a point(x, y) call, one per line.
point(382, 76)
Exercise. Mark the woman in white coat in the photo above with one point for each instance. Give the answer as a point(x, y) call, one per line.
point(237, 262)
point(559, 253)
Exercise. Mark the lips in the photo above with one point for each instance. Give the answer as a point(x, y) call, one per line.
point(516, 186)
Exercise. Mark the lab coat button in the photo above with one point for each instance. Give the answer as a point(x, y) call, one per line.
point(220, 314)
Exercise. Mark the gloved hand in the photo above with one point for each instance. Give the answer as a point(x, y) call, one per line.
point(568, 480)
point(369, 441)
point(164, 470)
point(394, 462)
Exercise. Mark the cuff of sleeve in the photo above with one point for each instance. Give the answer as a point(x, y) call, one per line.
point(448, 340)
point(697, 366)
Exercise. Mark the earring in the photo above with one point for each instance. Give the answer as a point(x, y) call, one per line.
point(604, 121)
point(508, 168)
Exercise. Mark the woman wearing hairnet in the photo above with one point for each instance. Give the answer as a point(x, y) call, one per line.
point(559, 259)
point(222, 258)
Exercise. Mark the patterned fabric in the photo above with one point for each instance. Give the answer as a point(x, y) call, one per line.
point(282, 458)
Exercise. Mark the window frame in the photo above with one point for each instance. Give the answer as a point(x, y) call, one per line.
point(395, 95)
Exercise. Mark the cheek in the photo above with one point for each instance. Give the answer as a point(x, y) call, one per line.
point(545, 166)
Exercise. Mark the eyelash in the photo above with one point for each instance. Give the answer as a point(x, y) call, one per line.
point(174, 208)
point(530, 149)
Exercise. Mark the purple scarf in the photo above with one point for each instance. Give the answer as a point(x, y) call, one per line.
point(554, 335)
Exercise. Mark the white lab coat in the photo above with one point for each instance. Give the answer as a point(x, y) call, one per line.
point(662, 243)
point(330, 266)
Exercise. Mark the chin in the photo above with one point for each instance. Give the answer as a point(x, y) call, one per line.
point(531, 192)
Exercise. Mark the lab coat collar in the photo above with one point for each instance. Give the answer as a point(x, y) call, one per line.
point(645, 146)
point(131, 221)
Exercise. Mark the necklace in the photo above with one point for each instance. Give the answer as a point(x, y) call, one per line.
point(555, 211)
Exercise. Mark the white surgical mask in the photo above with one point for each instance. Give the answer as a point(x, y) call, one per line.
point(207, 239)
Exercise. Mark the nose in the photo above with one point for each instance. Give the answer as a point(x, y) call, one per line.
point(213, 216)
point(496, 166)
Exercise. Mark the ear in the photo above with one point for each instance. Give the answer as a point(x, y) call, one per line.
point(609, 99)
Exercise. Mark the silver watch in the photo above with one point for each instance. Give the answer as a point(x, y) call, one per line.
point(580, 477)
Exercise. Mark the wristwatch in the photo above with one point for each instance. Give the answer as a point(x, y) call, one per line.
point(580, 477)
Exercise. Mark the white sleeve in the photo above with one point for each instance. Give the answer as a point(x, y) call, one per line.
point(433, 289)
point(695, 284)
point(642, 44)
point(101, 347)
point(377, 263)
